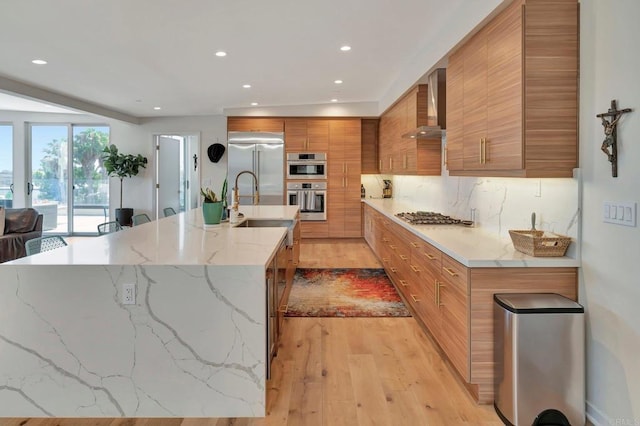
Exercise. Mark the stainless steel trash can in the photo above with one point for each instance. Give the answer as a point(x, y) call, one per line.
point(539, 359)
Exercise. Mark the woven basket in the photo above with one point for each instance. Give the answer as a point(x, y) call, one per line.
point(539, 243)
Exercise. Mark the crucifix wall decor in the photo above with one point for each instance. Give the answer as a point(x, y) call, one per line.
point(610, 144)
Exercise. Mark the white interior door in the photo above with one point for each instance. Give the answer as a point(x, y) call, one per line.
point(170, 158)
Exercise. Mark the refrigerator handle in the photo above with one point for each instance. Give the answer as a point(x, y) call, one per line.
point(254, 169)
point(258, 167)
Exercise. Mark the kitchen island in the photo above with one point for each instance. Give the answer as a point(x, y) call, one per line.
point(193, 343)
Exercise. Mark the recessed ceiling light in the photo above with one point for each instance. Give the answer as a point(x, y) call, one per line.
point(338, 81)
point(345, 48)
point(220, 53)
point(254, 104)
point(246, 86)
point(157, 108)
point(334, 100)
point(39, 62)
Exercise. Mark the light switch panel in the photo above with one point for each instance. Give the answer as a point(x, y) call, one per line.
point(619, 213)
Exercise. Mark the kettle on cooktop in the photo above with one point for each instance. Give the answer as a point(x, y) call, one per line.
point(387, 189)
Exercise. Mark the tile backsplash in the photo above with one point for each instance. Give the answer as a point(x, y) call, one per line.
point(500, 203)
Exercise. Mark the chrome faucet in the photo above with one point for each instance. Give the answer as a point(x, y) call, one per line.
point(256, 197)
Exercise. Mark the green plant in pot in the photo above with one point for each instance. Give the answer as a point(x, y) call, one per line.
point(212, 207)
point(121, 166)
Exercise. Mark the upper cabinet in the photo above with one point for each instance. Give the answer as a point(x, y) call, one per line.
point(408, 156)
point(252, 124)
point(306, 135)
point(512, 94)
point(370, 146)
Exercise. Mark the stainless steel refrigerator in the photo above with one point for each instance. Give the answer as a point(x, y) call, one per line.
point(263, 154)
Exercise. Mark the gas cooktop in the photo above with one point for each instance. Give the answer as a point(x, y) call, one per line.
point(431, 218)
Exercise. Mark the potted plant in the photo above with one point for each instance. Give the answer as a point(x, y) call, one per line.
point(211, 207)
point(122, 165)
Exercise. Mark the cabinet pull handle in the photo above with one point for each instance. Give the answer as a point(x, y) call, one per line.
point(403, 257)
point(403, 283)
point(430, 257)
point(385, 260)
point(414, 268)
point(450, 271)
point(379, 165)
point(415, 245)
point(390, 163)
point(415, 299)
point(394, 270)
point(385, 240)
point(436, 290)
point(392, 247)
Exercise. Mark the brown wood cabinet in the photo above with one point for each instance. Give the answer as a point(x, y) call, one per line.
point(454, 303)
point(254, 124)
point(369, 157)
point(343, 180)
point(408, 156)
point(306, 135)
point(512, 94)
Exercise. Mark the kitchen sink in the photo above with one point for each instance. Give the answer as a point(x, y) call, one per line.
point(271, 223)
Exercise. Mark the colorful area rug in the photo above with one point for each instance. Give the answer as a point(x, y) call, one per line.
point(344, 293)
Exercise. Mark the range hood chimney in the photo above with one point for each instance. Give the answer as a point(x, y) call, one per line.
point(436, 108)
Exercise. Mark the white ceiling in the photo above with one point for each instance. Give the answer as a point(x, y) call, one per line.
point(129, 56)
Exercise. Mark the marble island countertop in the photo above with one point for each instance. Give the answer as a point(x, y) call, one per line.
point(473, 247)
point(177, 240)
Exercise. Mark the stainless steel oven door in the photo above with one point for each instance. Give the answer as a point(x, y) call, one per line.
point(306, 169)
point(312, 203)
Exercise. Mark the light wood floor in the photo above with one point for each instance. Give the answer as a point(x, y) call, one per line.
point(345, 371)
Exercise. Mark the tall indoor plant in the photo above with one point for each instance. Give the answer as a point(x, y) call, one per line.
point(121, 166)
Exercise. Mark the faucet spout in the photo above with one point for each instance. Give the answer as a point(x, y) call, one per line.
point(256, 196)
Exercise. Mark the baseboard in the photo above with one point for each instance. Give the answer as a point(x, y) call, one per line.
point(597, 417)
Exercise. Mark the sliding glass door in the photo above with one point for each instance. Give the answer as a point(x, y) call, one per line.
point(67, 182)
point(6, 165)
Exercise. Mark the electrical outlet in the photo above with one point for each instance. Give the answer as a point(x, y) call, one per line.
point(128, 294)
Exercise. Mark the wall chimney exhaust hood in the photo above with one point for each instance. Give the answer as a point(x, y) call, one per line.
point(436, 108)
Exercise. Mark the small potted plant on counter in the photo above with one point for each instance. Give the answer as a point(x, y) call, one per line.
point(211, 208)
point(121, 166)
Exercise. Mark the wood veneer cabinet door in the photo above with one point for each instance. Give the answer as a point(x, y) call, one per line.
point(455, 106)
point(318, 135)
point(251, 124)
point(369, 155)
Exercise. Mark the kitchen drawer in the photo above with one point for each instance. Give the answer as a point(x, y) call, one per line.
point(455, 273)
point(426, 255)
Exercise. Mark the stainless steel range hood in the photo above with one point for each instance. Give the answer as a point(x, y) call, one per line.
point(436, 108)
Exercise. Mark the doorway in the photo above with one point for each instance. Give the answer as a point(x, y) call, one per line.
point(177, 173)
point(67, 182)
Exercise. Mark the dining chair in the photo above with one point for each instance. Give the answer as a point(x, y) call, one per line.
point(42, 244)
point(141, 218)
point(168, 211)
point(109, 227)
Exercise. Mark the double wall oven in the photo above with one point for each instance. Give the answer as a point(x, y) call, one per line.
point(307, 185)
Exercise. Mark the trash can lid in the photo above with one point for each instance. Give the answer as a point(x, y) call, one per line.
point(537, 303)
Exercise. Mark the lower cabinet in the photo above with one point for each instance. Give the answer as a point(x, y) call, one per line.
point(453, 303)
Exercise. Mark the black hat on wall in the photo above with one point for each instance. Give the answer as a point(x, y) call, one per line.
point(215, 152)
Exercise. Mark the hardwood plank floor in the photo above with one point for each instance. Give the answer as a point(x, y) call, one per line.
point(344, 371)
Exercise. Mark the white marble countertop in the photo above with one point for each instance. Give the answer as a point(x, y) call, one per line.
point(176, 240)
point(473, 247)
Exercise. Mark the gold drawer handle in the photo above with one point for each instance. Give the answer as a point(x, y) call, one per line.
point(415, 245)
point(392, 247)
point(414, 298)
point(430, 257)
point(403, 257)
point(284, 309)
point(385, 240)
point(394, 270)
point(414, 268)
point(385, 260)
point(404, 283)
point(450, 271)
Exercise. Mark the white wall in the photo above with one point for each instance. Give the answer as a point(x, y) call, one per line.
point(609, 283)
